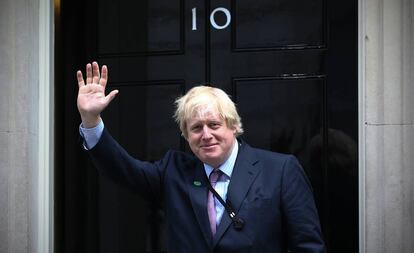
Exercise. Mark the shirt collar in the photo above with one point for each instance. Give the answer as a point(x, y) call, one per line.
point(228, 166)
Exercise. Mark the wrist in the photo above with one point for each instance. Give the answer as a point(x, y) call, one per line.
point(90, 122)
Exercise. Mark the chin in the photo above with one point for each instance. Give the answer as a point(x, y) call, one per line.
point(214, 162)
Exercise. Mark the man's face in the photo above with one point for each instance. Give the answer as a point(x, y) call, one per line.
point(210, 139)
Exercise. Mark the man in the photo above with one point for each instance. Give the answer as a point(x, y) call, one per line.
point(261, 202)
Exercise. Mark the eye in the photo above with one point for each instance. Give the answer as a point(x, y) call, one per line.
point(214, 125)
point(195, 128)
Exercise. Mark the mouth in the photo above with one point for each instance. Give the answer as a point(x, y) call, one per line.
point(206, 146)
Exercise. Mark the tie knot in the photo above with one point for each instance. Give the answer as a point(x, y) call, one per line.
point(214, 176)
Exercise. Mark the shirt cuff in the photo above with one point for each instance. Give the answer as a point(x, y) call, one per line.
point(92, 135)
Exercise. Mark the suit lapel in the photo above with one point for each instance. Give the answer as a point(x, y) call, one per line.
point(244, 173)
point(197, 188)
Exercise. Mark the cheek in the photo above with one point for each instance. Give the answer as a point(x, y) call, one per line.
point(230, 135)
point(192, 141)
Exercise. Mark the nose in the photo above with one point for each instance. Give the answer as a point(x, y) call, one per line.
point(206, 133)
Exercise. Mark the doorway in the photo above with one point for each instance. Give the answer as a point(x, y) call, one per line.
point(290, 66)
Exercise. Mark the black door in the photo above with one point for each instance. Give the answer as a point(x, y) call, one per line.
point(290, 65)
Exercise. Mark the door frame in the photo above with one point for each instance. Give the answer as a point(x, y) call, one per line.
point(44, 208)
point(362, 11)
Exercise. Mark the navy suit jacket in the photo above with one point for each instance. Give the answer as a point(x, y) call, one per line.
point(268, 190)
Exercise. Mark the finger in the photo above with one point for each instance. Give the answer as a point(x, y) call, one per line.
point(104, 76)
point(79, 76)
point(111, 96)
point(95, 72)
point(88, 73)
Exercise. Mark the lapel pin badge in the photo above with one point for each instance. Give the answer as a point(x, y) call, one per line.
point(197, 183)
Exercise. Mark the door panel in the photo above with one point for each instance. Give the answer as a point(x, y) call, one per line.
point(150, 59)
point(281, 114)
point(288, 115)
point(140, 27)
point(147, 131)
point(265, 24)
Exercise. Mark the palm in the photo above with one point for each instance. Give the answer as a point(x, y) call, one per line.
point(91, 96)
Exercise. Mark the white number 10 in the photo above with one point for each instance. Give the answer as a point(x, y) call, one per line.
point(212, 20)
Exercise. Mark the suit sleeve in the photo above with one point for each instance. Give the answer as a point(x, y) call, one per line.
point(299, 210)
point(113, 161)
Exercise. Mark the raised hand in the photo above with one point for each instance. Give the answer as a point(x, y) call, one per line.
point(91, 96)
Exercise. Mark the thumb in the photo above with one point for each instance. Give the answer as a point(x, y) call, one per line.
point(111, 96)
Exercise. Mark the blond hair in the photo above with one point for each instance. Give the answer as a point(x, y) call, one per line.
point(204, 99)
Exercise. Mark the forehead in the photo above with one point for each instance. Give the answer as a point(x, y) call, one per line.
point(206, 114)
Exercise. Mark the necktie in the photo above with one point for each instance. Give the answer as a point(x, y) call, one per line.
point(211, 207)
